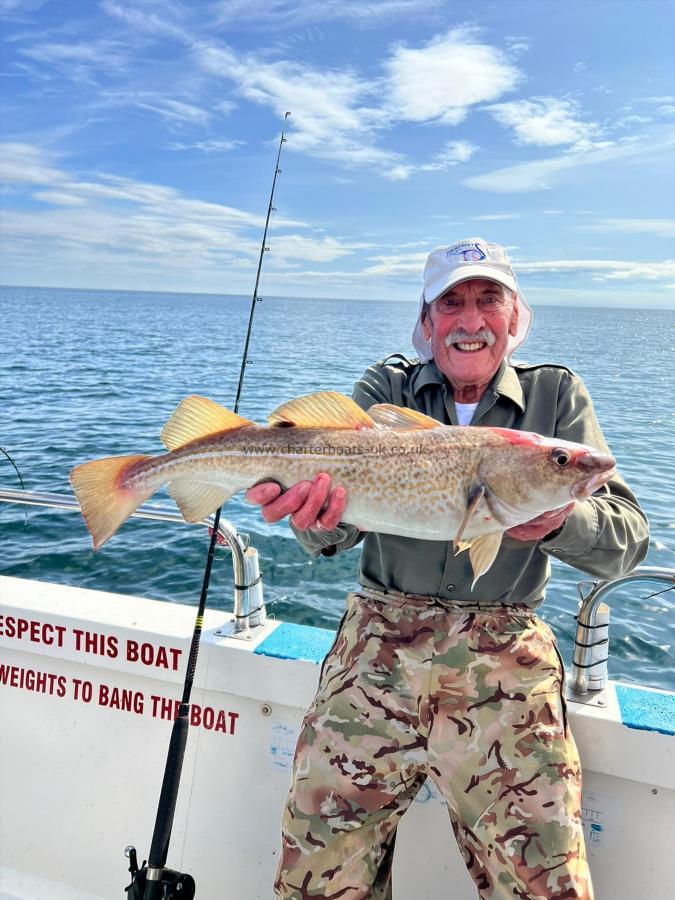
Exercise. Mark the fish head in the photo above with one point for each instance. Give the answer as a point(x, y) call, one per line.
point(527, 474)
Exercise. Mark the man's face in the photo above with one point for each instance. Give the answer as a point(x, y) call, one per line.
point(469, 328)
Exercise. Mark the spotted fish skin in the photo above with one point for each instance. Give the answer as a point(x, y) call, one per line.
point(403, 472)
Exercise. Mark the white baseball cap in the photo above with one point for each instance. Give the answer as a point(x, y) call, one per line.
point(470, 258)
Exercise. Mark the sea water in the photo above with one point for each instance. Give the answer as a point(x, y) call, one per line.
point(85, 374)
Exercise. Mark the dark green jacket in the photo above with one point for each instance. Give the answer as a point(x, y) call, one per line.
point(604, 536)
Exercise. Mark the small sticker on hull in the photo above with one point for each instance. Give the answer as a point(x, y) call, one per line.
point(593, 819)
point(283, 739)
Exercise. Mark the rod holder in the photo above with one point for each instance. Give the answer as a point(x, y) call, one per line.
point(586, 640)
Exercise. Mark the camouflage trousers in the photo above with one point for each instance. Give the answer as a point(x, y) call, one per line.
point(469, 697)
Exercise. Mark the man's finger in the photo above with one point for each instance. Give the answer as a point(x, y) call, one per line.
point(263, 493)
point(337, 500)
point(290, 501)
point(307, 515)
point(527, 532)
point(555, 513)
point(554, 518)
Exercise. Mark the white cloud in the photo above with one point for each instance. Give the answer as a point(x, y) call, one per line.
point(407, 268)
point(665, 103)
point(631, 120)
point(339, 115)
point(15, 10)
point(453, 153)
point(58, 198)
point(496, 217)
point(391, 269)
point(114, 221)
point(323, 250)
point(601, 269)
point(119, 230)
point(400, 172)
point(25, 163)
point(330, 119)
point(79, 61)
point(517, 44)
point(543, 121)
point(170, 109)
point(225, 106)
point(441, 81)
point(396, 266)
point(160, 24)
point(210, 146)
point(658, 227)
point(282, 14)
point(531, 176)
point(540, 174)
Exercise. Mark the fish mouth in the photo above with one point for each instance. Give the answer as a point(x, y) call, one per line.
point(582, 490)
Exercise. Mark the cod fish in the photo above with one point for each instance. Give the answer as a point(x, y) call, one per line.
point(404, 473)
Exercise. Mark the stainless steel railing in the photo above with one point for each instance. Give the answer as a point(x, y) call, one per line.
point(249, 608)
point(585, 638)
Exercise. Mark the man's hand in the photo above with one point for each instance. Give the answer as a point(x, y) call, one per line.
point(311, 504)
point(538, 528)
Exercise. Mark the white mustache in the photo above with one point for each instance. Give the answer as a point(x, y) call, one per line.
point(459, 336)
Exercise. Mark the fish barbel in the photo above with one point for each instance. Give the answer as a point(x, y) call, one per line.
point(404, 473)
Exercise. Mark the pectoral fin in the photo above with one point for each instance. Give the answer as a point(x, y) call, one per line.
point(473, 503)
point(482, 553)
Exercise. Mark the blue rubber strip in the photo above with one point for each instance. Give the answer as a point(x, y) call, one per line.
point(290, 641)
point(646, 710)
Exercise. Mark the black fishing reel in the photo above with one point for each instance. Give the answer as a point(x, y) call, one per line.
point(170, 886)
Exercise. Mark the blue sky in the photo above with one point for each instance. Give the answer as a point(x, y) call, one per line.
point(139, 141)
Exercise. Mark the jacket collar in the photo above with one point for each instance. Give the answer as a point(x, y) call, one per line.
point(505, 383)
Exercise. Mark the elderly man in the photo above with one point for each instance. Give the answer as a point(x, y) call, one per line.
point(427, 677)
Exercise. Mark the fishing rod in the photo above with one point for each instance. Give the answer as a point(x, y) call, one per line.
point(263, 249)
point(152, 880)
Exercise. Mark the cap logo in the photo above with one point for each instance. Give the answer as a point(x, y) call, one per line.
point(469, 252)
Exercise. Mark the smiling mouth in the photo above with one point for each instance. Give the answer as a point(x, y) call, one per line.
point(469, 346)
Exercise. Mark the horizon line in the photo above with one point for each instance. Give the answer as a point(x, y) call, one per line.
point(295, 297)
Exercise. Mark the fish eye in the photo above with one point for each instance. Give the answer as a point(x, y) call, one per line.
point(560, 457)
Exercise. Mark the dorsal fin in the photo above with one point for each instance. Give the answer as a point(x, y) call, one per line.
point(326, 409)
point(196, 417)
point(386, 415)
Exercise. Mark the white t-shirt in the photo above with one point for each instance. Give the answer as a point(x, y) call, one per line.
point(465, 412)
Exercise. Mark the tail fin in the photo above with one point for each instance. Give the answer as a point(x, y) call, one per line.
point(106, 502)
